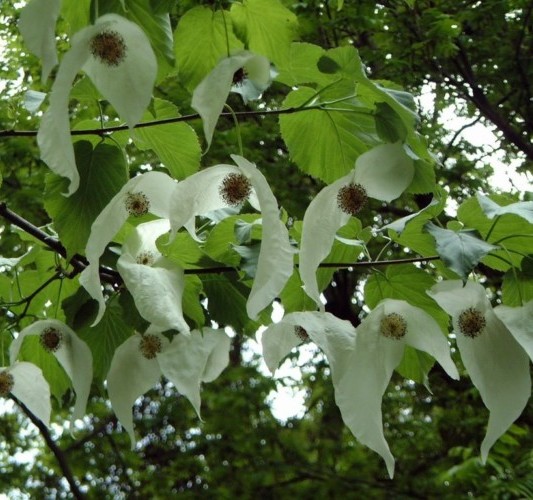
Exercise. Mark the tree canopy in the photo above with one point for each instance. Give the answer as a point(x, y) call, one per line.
point(195, 194)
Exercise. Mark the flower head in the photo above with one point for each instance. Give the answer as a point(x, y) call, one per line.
point(72, 353)
point(222, 185)
point(382, 173)
point(149, 192)
point(495, 361)
point(111, 53)
point(155, 282)
point(27, 383)
point(245, 73)
point(186, 362)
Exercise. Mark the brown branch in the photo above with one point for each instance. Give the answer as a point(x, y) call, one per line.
point(78, 262)
point(58, 452)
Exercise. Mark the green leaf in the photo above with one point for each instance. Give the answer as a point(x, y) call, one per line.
point(77, 14)
point(107, 335)
point(176, 144)
point(103, 172)
point(227, 303)
point(327, 65)
point(415, 365)
point(517, 286)
point(461, 251)
point(405, 282)
point(219, 244)
point(389, 124)
point(249, 257)
point(293, 297)
point(511, 232)
point(325, 144)
point(266, 26)
point(202, 38)
point(192, 307)
point(183, 250)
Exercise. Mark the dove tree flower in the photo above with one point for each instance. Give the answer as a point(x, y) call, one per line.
point(383, 173)
point(155, 282)
point(226, 185)
point(147, 193)
point(26, 382)
point(245, 73)
point(111, 53)
point(186, 361)
point(495, 361)
point(72, 353)
point(361, 360)
point(379, 348)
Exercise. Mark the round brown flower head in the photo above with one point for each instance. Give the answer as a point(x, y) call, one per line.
point(145, 258)
point(51, 339)
point(235, 189)
point(109, 47)
point(351, 198)
point(6, 383)
point(301, 333)
point(150, 346)
point(239, 76)
point(393, 326)
point(137, 204)
point(471, 322)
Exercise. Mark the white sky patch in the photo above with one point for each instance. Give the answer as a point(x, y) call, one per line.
point(505, 177)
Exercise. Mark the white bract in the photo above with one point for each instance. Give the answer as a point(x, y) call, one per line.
point(382, 173)
point(117, 56)
point(186, 362)
point(379, 348)
point(245, 73)
point(519, 321)
point(37, 25)
point(155, 282)
point(495, 361)
point(27, 383)
point(226, 185)
point(146, 193)
point(72, 353)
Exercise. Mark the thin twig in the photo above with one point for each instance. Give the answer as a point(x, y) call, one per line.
point(58, 452)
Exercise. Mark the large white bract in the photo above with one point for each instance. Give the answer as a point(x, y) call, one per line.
point(113, 63)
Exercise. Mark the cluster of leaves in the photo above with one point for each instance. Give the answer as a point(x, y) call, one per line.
point(333, 120)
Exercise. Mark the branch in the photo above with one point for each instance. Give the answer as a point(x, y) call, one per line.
point(58, 452)
point(78, 262)
point(187, 118)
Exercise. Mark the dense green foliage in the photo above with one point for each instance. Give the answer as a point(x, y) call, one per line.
point(346, 76)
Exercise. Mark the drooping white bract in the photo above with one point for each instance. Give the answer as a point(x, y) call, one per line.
point(336, 338)
point(27, 383)
point(379, 348)
point(155, 282)
point(225, 185)
point(37, 25)
point(382, 173)
point(245, 73)
point(72, 353)
point(519, 321)
point(187, 361)
point(495, 361)
point(117, 56)
point(148, 192)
